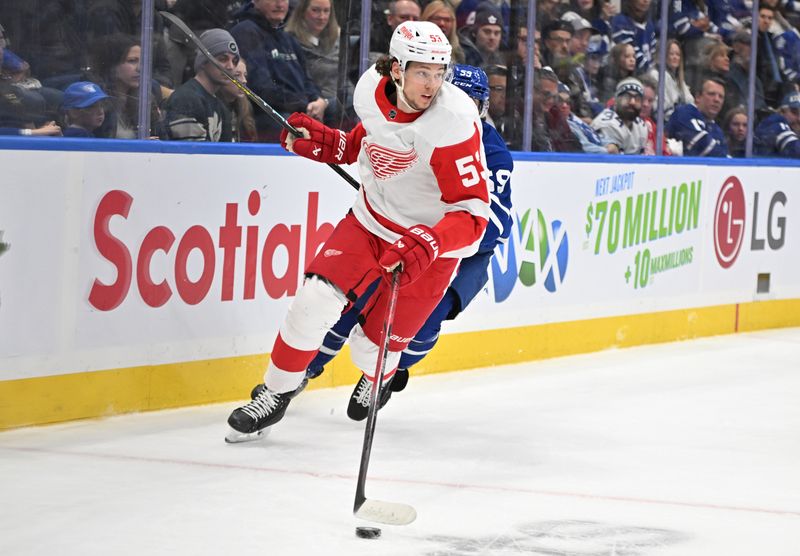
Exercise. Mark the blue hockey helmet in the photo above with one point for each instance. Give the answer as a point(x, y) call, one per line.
point(473, 81)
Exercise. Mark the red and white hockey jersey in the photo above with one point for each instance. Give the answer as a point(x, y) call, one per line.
point(423, 168)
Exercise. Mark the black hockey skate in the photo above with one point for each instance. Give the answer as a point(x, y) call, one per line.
point(250, 421)
point(400, 380)
point(358, 407)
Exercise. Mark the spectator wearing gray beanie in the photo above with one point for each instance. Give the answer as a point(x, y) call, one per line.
point(194, 112)
point(217, 42)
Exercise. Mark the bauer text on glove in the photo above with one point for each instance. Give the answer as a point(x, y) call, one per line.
point(414, 252)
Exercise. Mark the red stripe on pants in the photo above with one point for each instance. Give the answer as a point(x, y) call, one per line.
point(287, 358)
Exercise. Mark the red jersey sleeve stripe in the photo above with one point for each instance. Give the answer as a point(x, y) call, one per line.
point(354, 138)
point(460, 171)
point(459, 229)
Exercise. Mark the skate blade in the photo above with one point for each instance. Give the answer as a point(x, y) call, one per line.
point(236, 437)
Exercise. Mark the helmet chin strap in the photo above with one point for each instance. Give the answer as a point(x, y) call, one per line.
point(402, 102)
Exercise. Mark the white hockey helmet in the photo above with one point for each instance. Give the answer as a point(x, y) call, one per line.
point(420, 41)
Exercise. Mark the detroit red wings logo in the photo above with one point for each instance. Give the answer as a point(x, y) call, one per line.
point(387, 163)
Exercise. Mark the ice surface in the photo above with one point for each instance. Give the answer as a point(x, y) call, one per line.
point(691, 448)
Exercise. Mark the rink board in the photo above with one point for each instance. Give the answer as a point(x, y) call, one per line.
point(146, 276)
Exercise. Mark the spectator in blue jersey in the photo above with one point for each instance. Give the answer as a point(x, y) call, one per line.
point(791, 9)
point(84, 109)
point(690, 23)
point(776, 134)
point(590, 140)
point(195, 112)
point(602, 12)
point(741, 9)
point(721, 14)
point(634, 26)
point(472, 273)
point(788, 45)
point(695, 126)
point(276, 64)
point(590, 73)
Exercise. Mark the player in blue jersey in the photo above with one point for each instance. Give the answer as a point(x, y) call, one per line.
point(696, 127)
point(776, 134)
point(472, 273)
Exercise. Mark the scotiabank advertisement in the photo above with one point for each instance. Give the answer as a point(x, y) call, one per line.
point(220, 249)
point(127, 259)
point(154, 258)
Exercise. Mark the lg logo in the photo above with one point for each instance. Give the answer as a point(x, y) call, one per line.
point(730, 222)
point(776, 225)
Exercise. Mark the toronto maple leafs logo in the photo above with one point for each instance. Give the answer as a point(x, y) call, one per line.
point(215, 127)
point(388, 163)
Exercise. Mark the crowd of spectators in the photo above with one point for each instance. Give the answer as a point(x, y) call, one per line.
point(72, 68)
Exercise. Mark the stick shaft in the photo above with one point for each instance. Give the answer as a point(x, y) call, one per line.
point(380, 369)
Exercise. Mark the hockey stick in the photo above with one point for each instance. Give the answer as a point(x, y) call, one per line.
point(270, 111)
point(391, 513)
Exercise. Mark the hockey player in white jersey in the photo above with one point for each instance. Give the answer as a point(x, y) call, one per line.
point(423, 205)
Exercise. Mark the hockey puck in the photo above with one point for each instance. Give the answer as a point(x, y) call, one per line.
point(368, 532)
